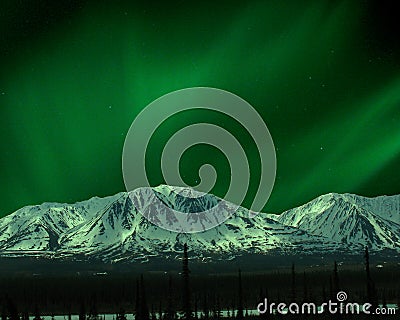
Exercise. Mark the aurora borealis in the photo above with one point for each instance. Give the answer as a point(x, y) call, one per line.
point(324, 75)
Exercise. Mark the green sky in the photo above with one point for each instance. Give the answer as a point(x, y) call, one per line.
point(325, 77)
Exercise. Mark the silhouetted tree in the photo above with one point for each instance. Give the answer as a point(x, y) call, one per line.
point(266, 315)
point(206, 310)
point(398, 298)
point(217, 307)
point(137, 301)
point(305, 287)
point(371, 291)
point(82, 312)
point(12, 310)
point(335, 280)
point(384, 302)
point(195, 307)
point(93, 308)
point(121, 314)
point(233, 306)
point(324, 297)
point(293, 292)
point(153, 313)
point(240, 313)
point(170, 313)
point(160, 311)
point(187, 312)
point(142, 313)
point(331, 294)
point(3, 312)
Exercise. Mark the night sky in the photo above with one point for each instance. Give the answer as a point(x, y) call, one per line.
point(324, 75)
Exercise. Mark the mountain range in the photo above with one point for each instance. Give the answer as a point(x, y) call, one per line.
point(111, 229)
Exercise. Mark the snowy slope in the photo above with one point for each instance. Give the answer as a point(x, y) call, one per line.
point(111, 228)
point(120, 232)
point(350, 219)
point(39, 227)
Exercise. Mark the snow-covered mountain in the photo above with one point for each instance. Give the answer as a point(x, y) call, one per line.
point(350, 219)
point(111, 228)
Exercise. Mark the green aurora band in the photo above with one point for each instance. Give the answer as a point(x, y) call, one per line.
point(72, 83)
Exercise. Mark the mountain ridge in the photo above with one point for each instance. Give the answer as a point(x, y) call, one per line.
point(111, 229)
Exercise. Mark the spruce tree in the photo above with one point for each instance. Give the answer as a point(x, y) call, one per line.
point(170, 313)
point(195, 308)
point(93, 308)
point(144, 310)
point(398, 298)
point(240, 314)
point(371, 290)
point(137, 302)
point(153, 313)
point(384, 302)
point(324, 298)
point(82, 312)
point(336, 286)
point(3, 312)
point(206, 310)
point(331, 294)
point(293, 293)
point(12, 310)
point(121, 314)
point(160, 312)
point(217, 307)
point(187, 312)
point(305, 287)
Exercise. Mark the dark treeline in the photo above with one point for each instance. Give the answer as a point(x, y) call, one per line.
point(185, 295)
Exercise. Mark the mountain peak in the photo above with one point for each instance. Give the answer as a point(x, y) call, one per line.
point(112, 229)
